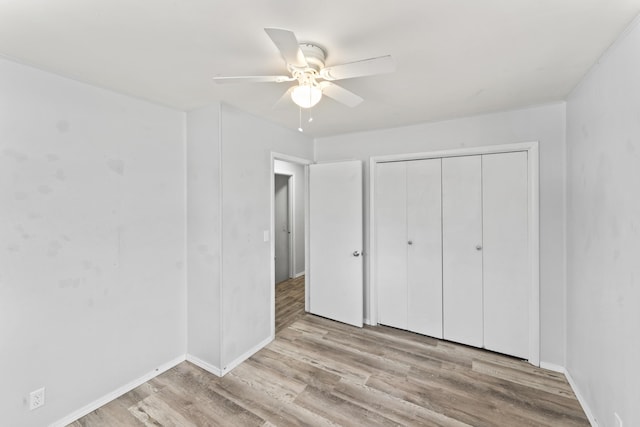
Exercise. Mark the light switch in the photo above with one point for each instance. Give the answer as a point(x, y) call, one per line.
point(266, 235)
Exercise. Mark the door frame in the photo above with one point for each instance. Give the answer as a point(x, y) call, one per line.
point(534, 227)
point(305, 163)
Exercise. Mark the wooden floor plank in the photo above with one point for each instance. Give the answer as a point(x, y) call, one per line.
point(399, 410)
point(188, 389)
point(343, 412)
point(527, 378)
point(322, 373)
point(289, 302)
point(307, 373)
point(153, 411)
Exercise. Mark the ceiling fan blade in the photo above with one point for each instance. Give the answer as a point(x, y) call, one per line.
point(365, 67)
point(285, 100)
point(340, 94)
point(288, 45)
point(252, 79)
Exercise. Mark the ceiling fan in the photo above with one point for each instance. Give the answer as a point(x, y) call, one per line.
point(306, 65)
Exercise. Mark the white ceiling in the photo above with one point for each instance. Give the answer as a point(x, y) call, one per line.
point(454, 57)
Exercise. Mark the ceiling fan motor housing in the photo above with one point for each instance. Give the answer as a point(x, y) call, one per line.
point(315, 56)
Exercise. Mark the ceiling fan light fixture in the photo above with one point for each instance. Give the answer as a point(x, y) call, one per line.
point(306, 95)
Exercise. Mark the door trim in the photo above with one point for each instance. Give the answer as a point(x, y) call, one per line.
point(534, 227)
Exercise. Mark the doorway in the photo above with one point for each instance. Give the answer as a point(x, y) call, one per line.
point(282, 205)
point(289, 216)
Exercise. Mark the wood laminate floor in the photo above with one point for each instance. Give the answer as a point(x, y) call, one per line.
point(322, 373)
point(289, 302)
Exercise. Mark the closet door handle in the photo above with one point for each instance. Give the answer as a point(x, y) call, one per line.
point(356, 253)
point(478, 247)
point(410, 242)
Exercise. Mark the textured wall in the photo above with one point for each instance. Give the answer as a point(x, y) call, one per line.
point(92, 268)
point(203, 229)
point(247, 143)
point(603, 234)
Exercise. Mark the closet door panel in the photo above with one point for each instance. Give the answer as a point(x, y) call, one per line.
point(462, 249)
point(505, 252)
point(391, 243)
point(424, 244)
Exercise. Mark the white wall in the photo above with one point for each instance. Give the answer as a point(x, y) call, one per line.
point(603, 235)
point(545, 124)
point(229, 208)
point(297, 173)
point(247, 143)
point(203, 230)
point(92, 268)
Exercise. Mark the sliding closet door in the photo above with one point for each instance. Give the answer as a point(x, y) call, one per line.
point(462, 249)
point(506, 257)
point(391, 243)
point(424, 247)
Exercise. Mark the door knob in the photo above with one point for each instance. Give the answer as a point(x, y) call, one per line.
point(478, 247)
point(356, 253)
point(410, 242)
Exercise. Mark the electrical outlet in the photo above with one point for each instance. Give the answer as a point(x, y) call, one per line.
point(36, 399)
point(618, 419)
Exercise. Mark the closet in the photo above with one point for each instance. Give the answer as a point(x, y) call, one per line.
point(451, 249)
point(408, 218)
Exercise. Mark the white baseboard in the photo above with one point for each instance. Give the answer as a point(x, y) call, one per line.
point(553, 367)
point(574, 387)
point(157, 371)
point(204, 365)
point(222, 371)
point(583, 402)
point(298, 275)
point(117, 393)
point(246, 355)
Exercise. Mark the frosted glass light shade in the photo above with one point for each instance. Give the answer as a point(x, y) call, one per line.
point(306, 96)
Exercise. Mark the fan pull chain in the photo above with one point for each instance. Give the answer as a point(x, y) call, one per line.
point(309, 119)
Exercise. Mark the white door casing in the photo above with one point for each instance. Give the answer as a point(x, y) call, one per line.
point(335, 241)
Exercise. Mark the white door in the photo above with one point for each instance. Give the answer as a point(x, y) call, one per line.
point(281, 227)
point(424, 244)
point(409, 245)
point(335, 241)
point(505, 253)
point(462, 249)
point(391, 243)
